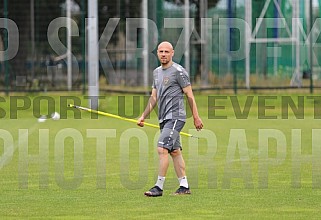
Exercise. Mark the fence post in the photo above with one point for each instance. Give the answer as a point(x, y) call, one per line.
point(6, 67)
point(311, 47)
point(83, 45)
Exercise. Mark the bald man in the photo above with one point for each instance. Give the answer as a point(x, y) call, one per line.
point(170, 83)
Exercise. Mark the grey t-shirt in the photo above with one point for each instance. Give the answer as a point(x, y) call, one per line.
point(169, 84)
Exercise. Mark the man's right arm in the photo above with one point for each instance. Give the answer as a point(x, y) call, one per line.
point(150, 106)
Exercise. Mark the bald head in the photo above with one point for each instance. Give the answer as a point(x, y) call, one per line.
point(165, 53)
point(165, 44)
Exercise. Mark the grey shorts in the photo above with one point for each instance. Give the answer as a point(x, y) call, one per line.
point(169, 137)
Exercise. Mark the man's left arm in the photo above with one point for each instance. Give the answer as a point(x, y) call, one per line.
point(192, 104)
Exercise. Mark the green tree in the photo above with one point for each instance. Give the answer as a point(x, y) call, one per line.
point(20, 12)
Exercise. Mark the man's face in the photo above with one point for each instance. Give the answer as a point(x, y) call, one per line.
point(165, 53)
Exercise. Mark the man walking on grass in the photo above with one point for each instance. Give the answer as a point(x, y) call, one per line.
point(170, 83)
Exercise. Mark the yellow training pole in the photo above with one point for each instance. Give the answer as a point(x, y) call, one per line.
point(121, 118)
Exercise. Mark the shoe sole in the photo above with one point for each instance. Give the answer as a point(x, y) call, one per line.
point(151, 195)
point(181, 194)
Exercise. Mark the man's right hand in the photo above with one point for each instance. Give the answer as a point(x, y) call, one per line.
point(140, 121)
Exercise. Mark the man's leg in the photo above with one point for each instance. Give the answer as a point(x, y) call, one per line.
point(157, 190)
point(162, 167)
point(163, 161)
point(179, 163)
point(179, 166)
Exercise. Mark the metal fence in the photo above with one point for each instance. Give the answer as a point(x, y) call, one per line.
point(221, 45)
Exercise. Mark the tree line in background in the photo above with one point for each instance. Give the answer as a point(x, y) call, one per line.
point(45, 11)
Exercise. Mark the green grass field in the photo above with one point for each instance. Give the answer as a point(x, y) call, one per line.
point(99, 168)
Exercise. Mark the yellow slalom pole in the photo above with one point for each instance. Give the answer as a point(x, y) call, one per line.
point(121, 118)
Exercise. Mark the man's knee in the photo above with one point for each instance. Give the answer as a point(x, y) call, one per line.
point(162, 151)
point(176, 152)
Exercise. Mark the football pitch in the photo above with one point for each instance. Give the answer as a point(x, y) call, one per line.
point(258, 157)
